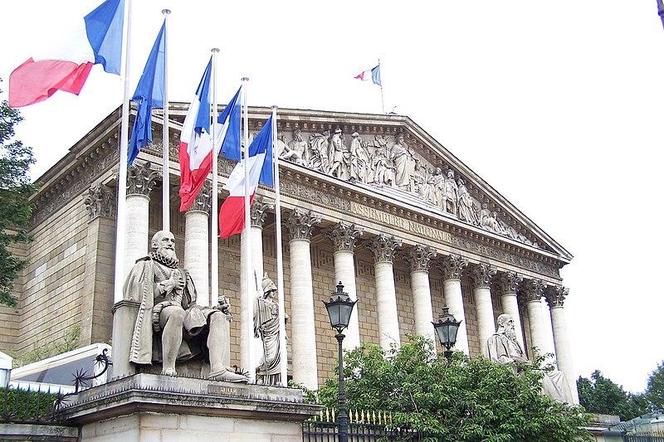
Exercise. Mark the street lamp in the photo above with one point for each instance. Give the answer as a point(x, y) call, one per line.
point(339, 309)
point(447, 328)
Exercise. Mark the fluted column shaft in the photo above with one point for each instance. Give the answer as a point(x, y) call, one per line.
point(420, 260)
point(344, 236)
point(197, 245)
point(555, 297)
point(140, 180)
point(451, 267)
point(384, 247)
point(481, 275)
point(533, 291)
point(303, 340)
point(508, 283)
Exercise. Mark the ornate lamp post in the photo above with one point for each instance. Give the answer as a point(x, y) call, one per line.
point(446, 329)
point(339, 309)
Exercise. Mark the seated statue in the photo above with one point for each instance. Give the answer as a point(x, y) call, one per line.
point(503, 347)
point(170, 326)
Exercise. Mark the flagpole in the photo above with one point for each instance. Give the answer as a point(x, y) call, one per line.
point(247, 319)
point(214, 243)
point(382, 100)
point(165, 147)
point(283, 354)
point(122, 173)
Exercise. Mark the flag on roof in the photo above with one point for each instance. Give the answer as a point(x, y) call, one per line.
point(149, 94)
point(259, 164)
point(660, 10)
point(97, 40)
point(371, 74)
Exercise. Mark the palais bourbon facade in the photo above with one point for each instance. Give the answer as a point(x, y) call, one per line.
point(369, 200)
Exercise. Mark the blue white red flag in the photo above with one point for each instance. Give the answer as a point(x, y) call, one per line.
point(96, 40)
point(371, 74)
point(259, 164)
point(149, 95)
point(196, 139)
point(660, 10)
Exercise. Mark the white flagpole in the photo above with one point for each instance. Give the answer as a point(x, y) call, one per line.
point(382, 100)
point(283, 354)
point(166, 181)
point(247, 319)
point(214, 243)
point(122, 174)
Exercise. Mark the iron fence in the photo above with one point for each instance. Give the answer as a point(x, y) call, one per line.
point(645, 437)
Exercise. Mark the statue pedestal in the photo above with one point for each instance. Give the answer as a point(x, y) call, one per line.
point(124, 318)
point(148, 407)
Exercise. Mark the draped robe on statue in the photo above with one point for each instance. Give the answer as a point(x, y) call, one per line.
point(266, 326)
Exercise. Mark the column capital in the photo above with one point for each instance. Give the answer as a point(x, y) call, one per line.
point(420, 258)
point(481, 275)
point(452, 265)
point(100, 202)
point(202, 203)
point(344, 235)
point(141, 179)
point(508, 282)
point(301, 223)
point(258, 211)
point(532, 290)
point(555, 295)
point(384, 247)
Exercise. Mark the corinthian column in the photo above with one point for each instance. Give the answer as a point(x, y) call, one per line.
point(259, 210)
point(140, 180)
point(508, 283)
point(420, 261)
point(383, 248)
point(451, 266)
point(532, 290)
point(344, 235)
point(197, 244)
point(555, 296)
point(481, 276)
point(305, 371)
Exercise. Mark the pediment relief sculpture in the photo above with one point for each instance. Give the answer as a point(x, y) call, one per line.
point(389, 163)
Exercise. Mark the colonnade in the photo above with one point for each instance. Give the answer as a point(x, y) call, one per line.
point(301, 224)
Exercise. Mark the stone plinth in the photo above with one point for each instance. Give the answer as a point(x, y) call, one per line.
point(148, 407)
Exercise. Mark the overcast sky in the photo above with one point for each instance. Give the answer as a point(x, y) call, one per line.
point(558, 105)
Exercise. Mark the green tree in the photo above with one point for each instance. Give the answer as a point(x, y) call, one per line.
point(601, 395)
point(15, 207)
point(469, 400)
point(655, 388)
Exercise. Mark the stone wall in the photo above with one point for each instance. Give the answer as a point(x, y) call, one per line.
point(10, 316)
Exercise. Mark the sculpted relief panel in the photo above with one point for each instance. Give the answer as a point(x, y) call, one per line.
point(390, 164)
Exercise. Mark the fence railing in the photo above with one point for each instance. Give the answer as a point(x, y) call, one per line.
point(657, 436)
point(364, 426)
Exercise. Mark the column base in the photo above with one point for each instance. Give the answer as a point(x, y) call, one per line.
point(124, 319)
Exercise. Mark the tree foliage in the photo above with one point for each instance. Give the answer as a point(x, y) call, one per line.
point(469, 400)
point(655, 388)
point(601, 395)
point(15, 190)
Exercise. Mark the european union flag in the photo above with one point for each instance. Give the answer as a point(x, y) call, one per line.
point(149, 94)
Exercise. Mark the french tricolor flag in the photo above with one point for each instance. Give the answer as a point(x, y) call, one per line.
point(97, 40)
point(196, 139)
point(259, 164)
point(371, 74)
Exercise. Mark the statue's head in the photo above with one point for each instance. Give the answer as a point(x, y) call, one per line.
point(163, 242)
point(506, 325)
point(268, 285)
point(450, 173)
point(297, 134)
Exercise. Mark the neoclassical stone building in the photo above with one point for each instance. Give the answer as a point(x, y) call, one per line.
point(370, 200)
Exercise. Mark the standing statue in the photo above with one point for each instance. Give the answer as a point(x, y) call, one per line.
point(266, 327)
point(451, 194)
point(340, 158)
point(503, 347)
point(404, 162)
point(318, 151)
point(466, 208)
point(170, 326)
point(437, 188)
point(359, 159)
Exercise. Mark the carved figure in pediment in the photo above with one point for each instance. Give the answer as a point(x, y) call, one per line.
point(340, 166)
point(318, 151)
point(360, 162)
point(435, 187)
point(418, 181)
point(404, 163)
point(451, 193)
point(296, 150)
point(383, 168)
point(468, 211)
